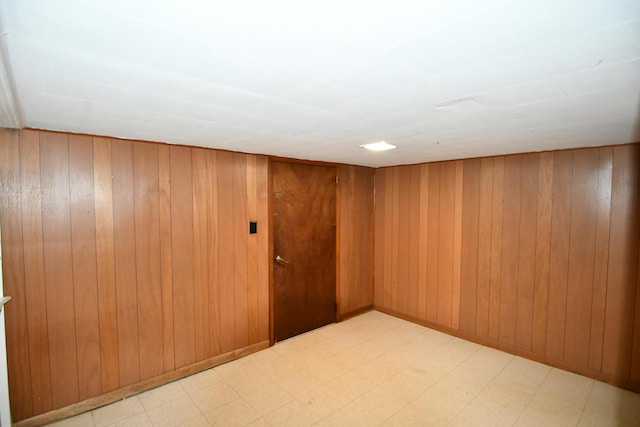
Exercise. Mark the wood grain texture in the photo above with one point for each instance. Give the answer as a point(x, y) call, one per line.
point(495, 278)
point(264, 260)
point(510, 249)
point(113, 251)
point(166, 264)
point(240, 234)
point(413, 258)
point(623, 247)
point(379, 236)
point(404, 203)
point(433, 221)
point(200, 254)
point(543, 251)
point(470, 231)
point(83, 232)
point(356, 238)
point(105, 264)
point(212, 254)
point(423, 238)
point(58, 268)
point(485, 204)
point(252, 252)
point(146, 193)
point(182, 256)
point(18, 352)
point(527, 251)
point(559, 258)
point(457, 244)
point(34, 276)
point(581, 257)
point(125, 261)
point(304, 232)
point(226, 258)
point(548, 254)
point(601, 257)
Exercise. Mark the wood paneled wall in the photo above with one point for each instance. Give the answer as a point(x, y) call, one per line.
point(533, 253)
point(126, 260)
point(355, 256)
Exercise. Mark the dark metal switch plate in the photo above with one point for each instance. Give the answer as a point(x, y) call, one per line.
point(253, 227)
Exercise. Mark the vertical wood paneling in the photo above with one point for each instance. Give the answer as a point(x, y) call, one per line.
point(122, 245)
point(414, 241)
point(470, 256)
point(125, 261)
point(166, 265)
point(496, 248)
point(252, 252)
point(388, 239)
point(35, 296)
point(527, 251)
point(457, 246)
point(58, 268)
point(18, 351)
point(433, 220)
point(394, 256)
point(543, 250)
point(356, 238)
point(446, 243)
point(182, 256)
point(212, 255)
point(149, 286)
point(623, 246)
point(240, 233)
point(559, 258)
point(484, 246)
point(510, 249)
point(424, 238)
point(263, 197)
point(581, 256)
point(226, 252)
point(545, 245)
point(380, 206)
point(83, 233)
point(404, 203)
point(200, 252)
point(105, 265)
point(601, 257)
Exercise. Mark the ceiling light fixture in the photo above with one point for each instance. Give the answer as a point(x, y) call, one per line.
point(378, 146)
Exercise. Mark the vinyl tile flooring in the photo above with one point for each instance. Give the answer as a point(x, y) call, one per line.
point(375, 370)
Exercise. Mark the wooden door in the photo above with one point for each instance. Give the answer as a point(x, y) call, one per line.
point(304, 209)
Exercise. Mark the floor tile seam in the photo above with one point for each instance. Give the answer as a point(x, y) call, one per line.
point(484, 389)
point(136, 396)
point(272, 410)
point(532, 396)
point(584, 407)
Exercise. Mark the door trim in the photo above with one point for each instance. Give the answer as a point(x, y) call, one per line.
point(273, 159)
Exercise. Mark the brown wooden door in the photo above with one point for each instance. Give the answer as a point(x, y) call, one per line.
point(304, 208)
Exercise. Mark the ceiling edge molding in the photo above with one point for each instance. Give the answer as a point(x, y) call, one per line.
point(10, 113)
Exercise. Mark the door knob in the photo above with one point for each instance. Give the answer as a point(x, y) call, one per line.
point(281, 260)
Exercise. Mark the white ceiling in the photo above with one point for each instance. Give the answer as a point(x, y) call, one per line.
point(316, 79)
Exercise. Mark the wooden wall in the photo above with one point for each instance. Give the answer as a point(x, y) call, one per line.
point(355, 236)
point(534, 253)
point(126, 260)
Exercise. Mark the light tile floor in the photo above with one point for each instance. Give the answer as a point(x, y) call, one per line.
point(375, 370)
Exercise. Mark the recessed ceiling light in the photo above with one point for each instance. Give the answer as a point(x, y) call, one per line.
point(378, 146)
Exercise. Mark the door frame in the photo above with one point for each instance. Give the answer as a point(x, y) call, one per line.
point(273, 159)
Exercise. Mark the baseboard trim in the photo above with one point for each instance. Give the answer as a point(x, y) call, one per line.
point(354, 313)
point(113, 396)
